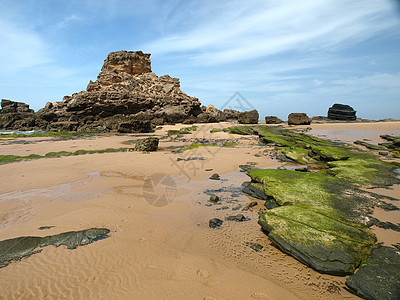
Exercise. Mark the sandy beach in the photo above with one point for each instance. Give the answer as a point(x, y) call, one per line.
point(160, 246)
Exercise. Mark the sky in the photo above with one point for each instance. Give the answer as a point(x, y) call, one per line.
point(282, 56)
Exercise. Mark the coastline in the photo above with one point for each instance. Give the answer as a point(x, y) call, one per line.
point(169, 247)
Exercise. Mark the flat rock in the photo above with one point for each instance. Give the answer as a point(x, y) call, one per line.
point(326, 244)
point(378, 277)
point(20, 247)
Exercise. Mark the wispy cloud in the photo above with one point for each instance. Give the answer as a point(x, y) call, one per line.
point(20, 48)
point(252, 29)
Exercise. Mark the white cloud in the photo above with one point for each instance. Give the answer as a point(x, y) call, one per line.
point(20, 48)
point(252, 29)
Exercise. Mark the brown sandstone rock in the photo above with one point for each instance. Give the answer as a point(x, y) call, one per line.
point(298, 119)
point(248, 117)
point(272, 120)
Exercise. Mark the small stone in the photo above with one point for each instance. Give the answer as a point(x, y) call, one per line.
point(255, 246)
point(383, 153)
point(252, 204)
point(208, 170)
point(215, 176)
point(281, 168)
point(215, 223)
point(237, 218)
point(301, 169)
point(214, 198)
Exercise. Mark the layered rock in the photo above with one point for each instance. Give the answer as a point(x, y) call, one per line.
point(126, 97)
point(126, 88)
point(341, 112)
point(18, 115)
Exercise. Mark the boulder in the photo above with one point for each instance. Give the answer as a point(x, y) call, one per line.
point(272, 120)
point(147, 144)
point(341, 112)
point(298, 119)
point(378, 277)
point(248, 117)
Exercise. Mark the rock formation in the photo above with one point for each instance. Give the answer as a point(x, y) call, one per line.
point(126, 97)
point(272, 120)
point(248, 117)
point(18, 115)
point(298, 119)
point(341, 112)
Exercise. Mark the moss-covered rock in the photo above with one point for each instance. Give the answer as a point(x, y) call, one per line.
point(369, 146)
point(339, 198)
point(324, 243)
point(366, 171)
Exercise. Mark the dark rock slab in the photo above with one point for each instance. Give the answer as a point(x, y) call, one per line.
point(17, 248)
point(341, 112)
point(379, 276)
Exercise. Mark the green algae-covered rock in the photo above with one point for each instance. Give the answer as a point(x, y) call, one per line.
point(326, 244)
point(20, 247)
point(332, 195)
point(367, 171)
point(329, 153)
point(379, 276)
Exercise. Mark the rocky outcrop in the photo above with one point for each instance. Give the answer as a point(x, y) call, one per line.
point(248, 117)
point(18, 115)
point(272, 120)
point(8, 106)
point(298, 119)
point(341, 112)
point(127, 91)
point(126, 97)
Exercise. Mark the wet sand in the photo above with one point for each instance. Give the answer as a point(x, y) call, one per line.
point(154, 252)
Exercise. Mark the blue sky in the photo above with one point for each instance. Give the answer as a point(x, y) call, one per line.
point(283, 56)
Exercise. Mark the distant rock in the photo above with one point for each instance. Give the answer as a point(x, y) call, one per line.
point(126, 97)
point(127, 91)
point(272, 120)
point(248, 117)
point(298, 119)
point(18, 115)
point(341, 112)
point(8, 106)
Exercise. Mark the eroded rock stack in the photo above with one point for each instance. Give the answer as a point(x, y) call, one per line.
point(341, 112)
point(126, 97)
